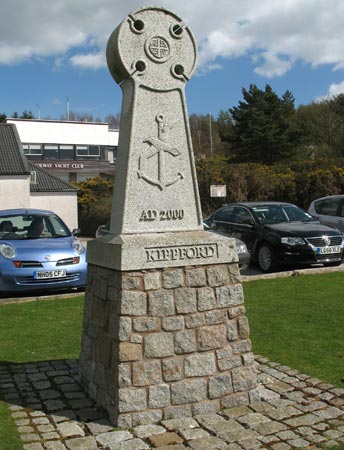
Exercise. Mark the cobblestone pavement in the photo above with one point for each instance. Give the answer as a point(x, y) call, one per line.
point(52, 412)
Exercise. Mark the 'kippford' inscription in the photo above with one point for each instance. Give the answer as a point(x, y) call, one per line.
point(180, 252)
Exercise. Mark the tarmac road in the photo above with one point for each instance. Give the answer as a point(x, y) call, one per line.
point(254, 273)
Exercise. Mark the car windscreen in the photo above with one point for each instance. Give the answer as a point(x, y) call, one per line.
point(270, 214)
point(32, 226)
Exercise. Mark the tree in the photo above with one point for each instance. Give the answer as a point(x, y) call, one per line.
point(27, 115)
point(77, 117)
point(205, 137)
point(94, 203)
point(24, 115)
point(336, 103)
point(113, 120)
point(264, 129)
point(225, 125)
point(2, 117)
point(322, 126)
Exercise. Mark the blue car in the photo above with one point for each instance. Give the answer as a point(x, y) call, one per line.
point(38, 253)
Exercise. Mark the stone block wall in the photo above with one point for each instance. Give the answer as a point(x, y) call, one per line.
point(166, 343)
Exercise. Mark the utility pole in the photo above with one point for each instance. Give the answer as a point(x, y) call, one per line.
point(39, 112)
point(68, 109)
point(210, 137)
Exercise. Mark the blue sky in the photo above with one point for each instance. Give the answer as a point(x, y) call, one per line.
point(51, 50)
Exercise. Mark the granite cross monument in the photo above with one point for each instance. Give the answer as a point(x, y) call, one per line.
point(165, 332)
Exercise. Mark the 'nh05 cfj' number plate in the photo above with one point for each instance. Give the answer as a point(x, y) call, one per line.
point(47, 274)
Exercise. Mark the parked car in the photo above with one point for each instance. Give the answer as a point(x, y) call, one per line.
point(329, 210)
point(279, 233)
point(103, 230)
point(243, 253)
point(39, 253)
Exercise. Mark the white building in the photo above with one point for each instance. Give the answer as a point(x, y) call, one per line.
point(73, 151)
point(23, 185)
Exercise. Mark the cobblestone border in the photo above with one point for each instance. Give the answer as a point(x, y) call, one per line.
point(292, 410)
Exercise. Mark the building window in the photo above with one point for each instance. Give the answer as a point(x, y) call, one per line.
point(33, 177)
point(65, 177)
point(33, 151)
point(81, 176)
point(112, 154)
point(51, 152)
point(88, 152)
point(67, 152)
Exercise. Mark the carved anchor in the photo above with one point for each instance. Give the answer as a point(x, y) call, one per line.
point(160, 147)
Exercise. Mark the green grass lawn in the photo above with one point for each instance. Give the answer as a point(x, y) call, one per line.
point(299, 321)
point(36, 331)
point(295, 321)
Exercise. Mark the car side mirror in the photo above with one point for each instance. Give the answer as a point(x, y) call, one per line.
point(76, 231)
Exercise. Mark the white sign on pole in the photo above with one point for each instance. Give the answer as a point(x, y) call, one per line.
point(218, 190)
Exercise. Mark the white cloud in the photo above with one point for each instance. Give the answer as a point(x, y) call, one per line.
point(89, 61)
point(335, 89)
point(278, 33)
point(273, 66)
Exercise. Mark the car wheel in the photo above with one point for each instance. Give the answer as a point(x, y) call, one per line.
point(266, 258)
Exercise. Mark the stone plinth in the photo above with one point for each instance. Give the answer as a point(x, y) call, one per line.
point(167, 342)
point(157, 250)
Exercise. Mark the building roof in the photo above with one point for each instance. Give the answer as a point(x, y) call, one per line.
point(46, 182)
point(12, 158)
point(32, 131)
point(14, 162)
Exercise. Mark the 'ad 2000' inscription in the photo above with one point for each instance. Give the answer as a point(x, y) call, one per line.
point(181, 252)
point(162, 214)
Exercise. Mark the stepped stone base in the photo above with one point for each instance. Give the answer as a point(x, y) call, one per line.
point(165, 343)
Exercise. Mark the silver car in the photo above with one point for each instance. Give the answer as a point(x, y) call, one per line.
point(329, 211)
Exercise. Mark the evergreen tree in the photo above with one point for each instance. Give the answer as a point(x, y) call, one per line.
point(27, 115)
point(264, 129)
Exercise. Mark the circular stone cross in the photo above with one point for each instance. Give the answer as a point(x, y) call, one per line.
point(154, 47)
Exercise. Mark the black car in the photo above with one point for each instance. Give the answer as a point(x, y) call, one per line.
point(103, 230)
point(244, 255)
point(279, 233)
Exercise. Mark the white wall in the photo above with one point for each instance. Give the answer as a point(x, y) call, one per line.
point(64, 205)
point(55, 132)
point(15, 192)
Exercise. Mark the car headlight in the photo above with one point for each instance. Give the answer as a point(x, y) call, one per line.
point(241, 248)
point(293, 241)
point(7, 251)
point(78, 247)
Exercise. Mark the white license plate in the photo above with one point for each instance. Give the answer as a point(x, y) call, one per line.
point(329, 250)
point(47, 274)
